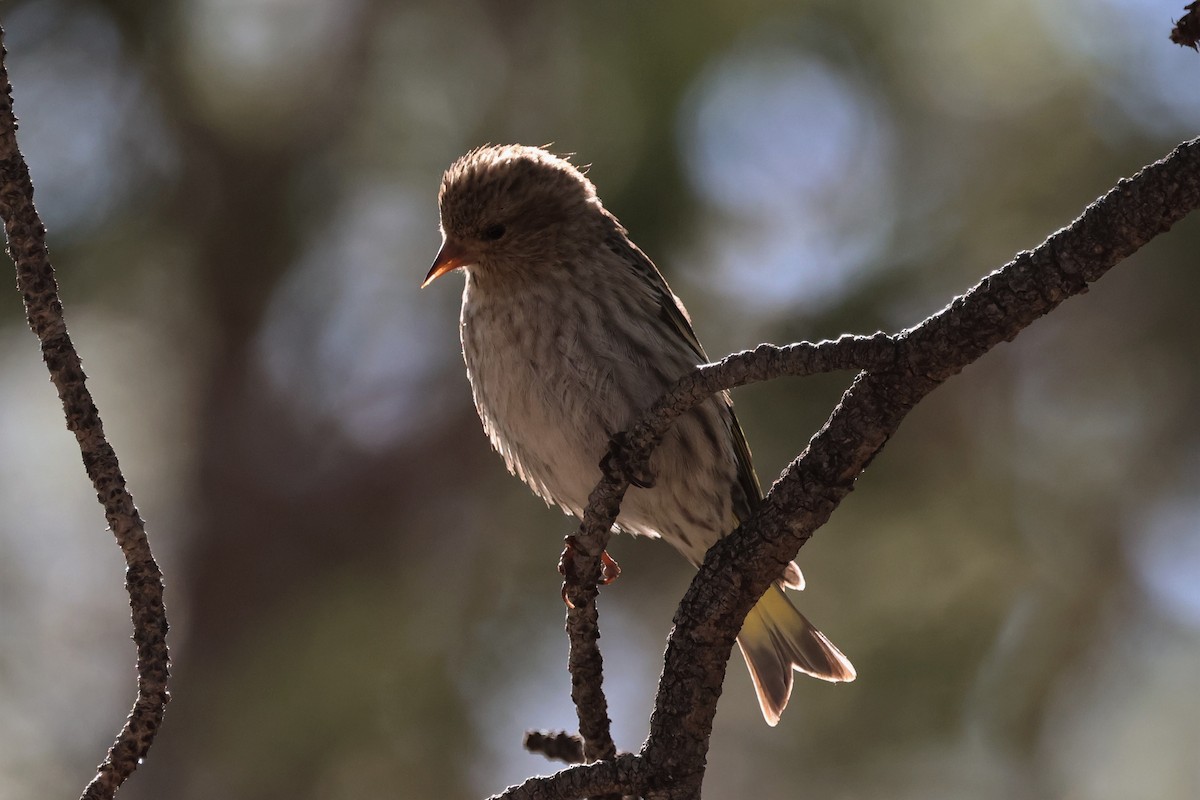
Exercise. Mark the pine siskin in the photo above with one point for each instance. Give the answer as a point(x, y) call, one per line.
point(568, 332)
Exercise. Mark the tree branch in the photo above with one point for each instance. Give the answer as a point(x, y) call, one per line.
point(627, 462)
point(898, 371)
point(557, 746)
point(143, 580)
point(623, 774)
point(1186, 32)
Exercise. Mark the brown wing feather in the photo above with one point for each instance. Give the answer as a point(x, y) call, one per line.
point(749, 492)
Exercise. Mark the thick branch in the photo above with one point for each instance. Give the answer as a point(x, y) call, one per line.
point(611, 777)
point(143, 580)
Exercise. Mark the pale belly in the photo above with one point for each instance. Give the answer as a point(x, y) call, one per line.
point(550, 422)
point(550, 410)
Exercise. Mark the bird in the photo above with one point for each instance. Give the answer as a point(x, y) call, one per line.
point(568, 331)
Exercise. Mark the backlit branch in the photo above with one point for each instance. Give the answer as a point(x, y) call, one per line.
point(897, 371)
point(143, 580)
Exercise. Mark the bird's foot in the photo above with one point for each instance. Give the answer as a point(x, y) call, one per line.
point(610, 570)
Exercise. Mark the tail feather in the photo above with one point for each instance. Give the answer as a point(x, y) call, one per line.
point(776, 639)
point(792, 578)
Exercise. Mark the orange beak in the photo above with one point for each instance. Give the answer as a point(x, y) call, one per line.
point(450, 257)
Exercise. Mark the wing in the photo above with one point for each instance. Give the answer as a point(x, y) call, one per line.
point(748, 492)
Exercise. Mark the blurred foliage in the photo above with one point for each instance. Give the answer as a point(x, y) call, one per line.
point(241, 203)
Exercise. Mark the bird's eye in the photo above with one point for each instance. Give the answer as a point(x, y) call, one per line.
point(493, 232)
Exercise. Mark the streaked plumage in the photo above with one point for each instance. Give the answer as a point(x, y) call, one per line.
point(568, 332)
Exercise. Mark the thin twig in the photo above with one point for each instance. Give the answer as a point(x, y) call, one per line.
point(584, 660)
point(1187, 28)
point(557, 746)
point(143, 580)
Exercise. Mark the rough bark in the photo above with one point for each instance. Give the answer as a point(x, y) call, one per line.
point(143, 579)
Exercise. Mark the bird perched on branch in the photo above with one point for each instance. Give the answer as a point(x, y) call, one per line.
point(568, 332)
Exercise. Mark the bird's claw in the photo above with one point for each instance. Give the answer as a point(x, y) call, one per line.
point(643, 481)
point(610, 570)
point(566, 568)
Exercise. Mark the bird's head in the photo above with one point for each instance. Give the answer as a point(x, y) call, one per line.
point(504, 207)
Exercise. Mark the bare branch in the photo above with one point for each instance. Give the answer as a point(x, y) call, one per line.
point(1187, 29)
point(558, 746)
point(763, 363)
point(143, 580)
point(628, 458)
point(611, 777)
point(898, 371)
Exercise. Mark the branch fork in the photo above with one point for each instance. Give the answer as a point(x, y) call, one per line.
point(894, 373)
